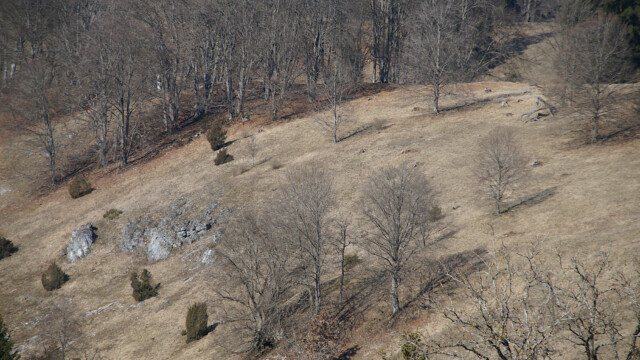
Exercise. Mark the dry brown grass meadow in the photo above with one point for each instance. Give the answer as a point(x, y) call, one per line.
point(594, 204)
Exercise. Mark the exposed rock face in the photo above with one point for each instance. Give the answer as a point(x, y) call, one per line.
point(81, 241)
point(134, 235)
point(176, 229)
point(208, 257)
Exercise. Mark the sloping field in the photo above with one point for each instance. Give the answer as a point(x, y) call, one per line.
point(591, 200)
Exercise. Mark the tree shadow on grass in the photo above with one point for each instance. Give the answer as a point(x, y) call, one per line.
point(348, 353)
point(534, 199)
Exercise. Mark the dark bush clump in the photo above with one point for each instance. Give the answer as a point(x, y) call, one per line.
point(6, 345)
point(351, 260)
point(53, 278)
point(435, 214)
point(6, 248)
point(142, 288)
point(216, 136)
point(112, 214)
point(196, 321)
point(79, 187)
point(223, 157)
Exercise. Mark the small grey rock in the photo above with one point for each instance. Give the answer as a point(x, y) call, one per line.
point(208, 257)
point(81, 241)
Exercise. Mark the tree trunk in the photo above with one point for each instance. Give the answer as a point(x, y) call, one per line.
point(335, 123)
point(436, 98)
point(165, 120)
point(229, 84)
point(317, 286)
point(594, 129)
point(52, 167)
point(340, 297)
point(395, 307)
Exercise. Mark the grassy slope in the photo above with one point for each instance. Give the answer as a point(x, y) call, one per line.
point(596, 204)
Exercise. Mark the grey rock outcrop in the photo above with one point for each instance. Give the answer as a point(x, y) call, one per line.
point(81, 241)
point(157, 239)
point(134, 235)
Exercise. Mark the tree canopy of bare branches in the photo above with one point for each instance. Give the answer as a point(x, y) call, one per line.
point(306, 198)
point(449, 41)
point(500, 165)
point(519, 306)
point(397, 201)
point(593, 57)
point(257, 274)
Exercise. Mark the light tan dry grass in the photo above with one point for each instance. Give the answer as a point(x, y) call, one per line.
point(596, 204)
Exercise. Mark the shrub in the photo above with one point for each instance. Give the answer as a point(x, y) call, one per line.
point(276, 164)
point(411, 346)
point(196, 321)
point(142, 288)
point(435, 213)
point(6, 248)
point(351, 260)
point(79, 187)
point(6, 345)
point(216, 136)
point(112, 214)
point(53, 278)
point(223, 157)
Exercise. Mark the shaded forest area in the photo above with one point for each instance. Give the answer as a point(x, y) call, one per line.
point(135, 72)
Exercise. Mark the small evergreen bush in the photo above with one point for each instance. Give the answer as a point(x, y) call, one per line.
point(6, 248)
point(142, 288)
point(6, 345)
point(351, 260)
point(217, 136)
point(79, 187)
point(411, 346)
point(223, 157)
point(196, 323)
point(112, 214)
point(53, 278)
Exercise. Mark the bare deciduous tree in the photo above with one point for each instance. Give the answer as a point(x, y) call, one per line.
point(306, 198)
point(518, 306)
point(280, 52)
point(508, 312)
point(342, 241)
point(62, 331)
point(500, 165)
point(255, 277)
point(397, 201)
point(597, 300)
point(389, 31)
point(450, 41)
point(129, 76)
point(35, 106)
point(593, 58)
point(167, 22)
point(336, 85)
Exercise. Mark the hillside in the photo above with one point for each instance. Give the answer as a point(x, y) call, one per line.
point(591, 201)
